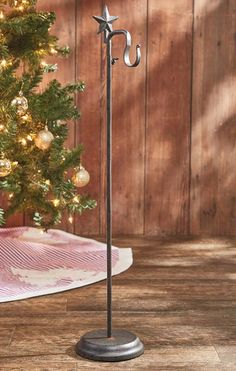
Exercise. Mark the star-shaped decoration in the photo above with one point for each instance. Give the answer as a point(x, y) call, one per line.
point(105, 21)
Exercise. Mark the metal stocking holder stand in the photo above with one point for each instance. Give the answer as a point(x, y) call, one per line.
point(108, 344)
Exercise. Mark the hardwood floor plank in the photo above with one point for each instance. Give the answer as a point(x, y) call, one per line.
point(199, 356)
point(155, 295)
point(34, 306)
point(179, 297)
point(49, 339)
point(173, 273)
point(205, 316)
point(6, 334)
point(227, 355)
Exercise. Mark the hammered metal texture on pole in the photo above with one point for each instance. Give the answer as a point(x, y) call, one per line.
point(108, 344)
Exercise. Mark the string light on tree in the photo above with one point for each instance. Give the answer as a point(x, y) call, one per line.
point(43, 64)
point(70, 219)
point(53, 50)
point(29, 138)
point(26, 118)
point(76, 199)
point(2, 128)
point(81, 178)
point(20, 6)
point(23, 141)
point(3, 64)
point(44, 139)
point(56, 202)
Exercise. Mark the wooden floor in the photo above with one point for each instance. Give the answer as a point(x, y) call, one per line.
point(179, 297)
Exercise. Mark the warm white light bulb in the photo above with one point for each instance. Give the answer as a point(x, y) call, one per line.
point(29, 138)
point(56, 202)
point(25, 117)
point(3, 63)
point(53, 51)
point(23, 141)
point(70, 219)
point(76, 199)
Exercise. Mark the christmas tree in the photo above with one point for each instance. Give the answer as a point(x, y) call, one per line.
point(33, 124)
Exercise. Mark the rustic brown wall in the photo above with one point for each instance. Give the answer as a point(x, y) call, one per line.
point(213, 187)
point(174, 116)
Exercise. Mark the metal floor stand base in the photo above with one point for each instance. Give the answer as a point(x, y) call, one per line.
point(123, 345)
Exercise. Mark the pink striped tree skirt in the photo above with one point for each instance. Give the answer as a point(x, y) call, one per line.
point(33, 263)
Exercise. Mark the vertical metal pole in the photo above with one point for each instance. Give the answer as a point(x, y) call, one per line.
point(108, 344)
point(109, 190)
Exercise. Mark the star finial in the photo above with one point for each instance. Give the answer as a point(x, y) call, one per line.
point(105, 21)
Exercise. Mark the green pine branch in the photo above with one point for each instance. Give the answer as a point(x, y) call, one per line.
point(2, 218)
point(39, 182)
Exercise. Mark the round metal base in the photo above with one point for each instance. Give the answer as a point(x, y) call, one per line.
point(123, 345)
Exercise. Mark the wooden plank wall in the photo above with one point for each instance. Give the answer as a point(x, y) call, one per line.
point(174, 116)
point(168, 116)
point(213, 188)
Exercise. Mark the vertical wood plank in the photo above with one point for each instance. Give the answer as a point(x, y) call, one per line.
point(88, 128)
point(128, 122)
point(213, 200)
point(168, 117)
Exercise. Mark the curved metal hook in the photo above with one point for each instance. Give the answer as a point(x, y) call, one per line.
point(127, 47)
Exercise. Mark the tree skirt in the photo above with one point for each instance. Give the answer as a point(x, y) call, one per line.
point(33, 263)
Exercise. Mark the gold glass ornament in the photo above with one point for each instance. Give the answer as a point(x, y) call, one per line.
point(5, 167)
point(44, 139)
point(20, 103)
point(81, 178)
